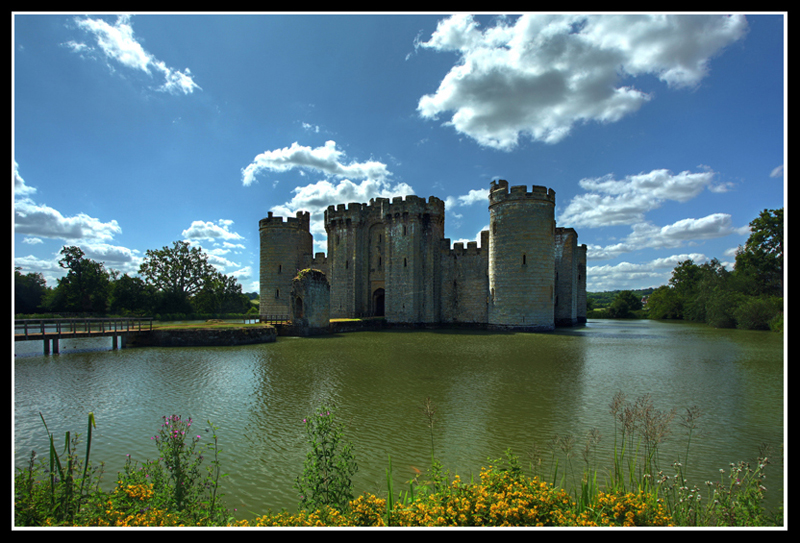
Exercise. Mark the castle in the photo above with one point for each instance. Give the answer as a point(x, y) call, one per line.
point(390, 258)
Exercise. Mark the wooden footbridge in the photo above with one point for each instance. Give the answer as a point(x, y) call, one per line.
point(54, 330)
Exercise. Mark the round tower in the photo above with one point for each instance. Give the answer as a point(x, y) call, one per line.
point(286, 248)
point(521, 258)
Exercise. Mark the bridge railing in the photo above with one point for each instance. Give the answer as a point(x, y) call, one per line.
point(82, 325)
point(273, 319)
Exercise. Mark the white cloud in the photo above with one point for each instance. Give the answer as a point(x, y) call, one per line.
point(627, 275)
point(316, 197)
point(683, 232)
point(614, 202)
point(43, 221)
point(474, 196)
point(326, 160)
point(21, 190)
point(777, 172)
point(542, 74)
point(116, 42)
point(209, 231)
point(113, 257)
point(352, 182)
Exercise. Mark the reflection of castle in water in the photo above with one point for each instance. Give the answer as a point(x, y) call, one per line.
point(390, 258)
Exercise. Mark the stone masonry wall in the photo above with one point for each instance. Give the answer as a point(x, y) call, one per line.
point(390, 257)
point(521, 260)
point(286, 247)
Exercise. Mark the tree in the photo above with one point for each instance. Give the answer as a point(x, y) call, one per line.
point(29, 292)
point(664, 303)
point(221, 294)
point(131, 295)
point(178, 272)
point(759, 264)
point(624, 304)
point(86, 286)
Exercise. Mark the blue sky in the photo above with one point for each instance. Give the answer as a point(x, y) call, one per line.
point(662, 135)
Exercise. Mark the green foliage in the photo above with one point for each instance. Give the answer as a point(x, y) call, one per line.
point(29, 292)
point(63, 492)
point(172, 490)
point(758, 313)
point(750, 297)
point(623, 306)
point(760, 262)
point(85, 288)
point(329, 466)
point(664, 303)
point(221, 294)
point(131, 296)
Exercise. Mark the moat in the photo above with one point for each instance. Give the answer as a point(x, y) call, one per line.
point(492, 391)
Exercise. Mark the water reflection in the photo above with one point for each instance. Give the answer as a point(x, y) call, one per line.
point(492, 391)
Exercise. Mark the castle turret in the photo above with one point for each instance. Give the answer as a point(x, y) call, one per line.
point(286, 248)
point(566, 276)
point(414, 229)
point(581, 283)
point(521, 257)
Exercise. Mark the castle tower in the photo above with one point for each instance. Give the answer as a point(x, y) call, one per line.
point(286, 248)
point(521, 257)
point(413, 230)
point(345, 226)
point(581, 283)
point(566, 270)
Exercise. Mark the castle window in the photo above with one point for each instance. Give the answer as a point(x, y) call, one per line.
point(405, 262)
point(279, 268)
point(346, 264)
point(524, 259)
point(404, 229)
point(277, 293)
point(379, 262)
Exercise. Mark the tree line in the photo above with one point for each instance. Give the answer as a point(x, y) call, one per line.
point(749, 297)
point(173, 280)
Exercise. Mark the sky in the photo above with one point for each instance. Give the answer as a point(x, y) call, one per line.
point(663, 135)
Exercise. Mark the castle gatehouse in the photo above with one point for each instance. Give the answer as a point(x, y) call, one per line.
point(390, 258)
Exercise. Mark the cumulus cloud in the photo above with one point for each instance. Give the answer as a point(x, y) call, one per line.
point(326, 160)
point(116, 42)
point(40, 220)
point(678, 234)
point(627, 275)
point(209, 231)
point(542, 74)
point(316, 197)
point(614, 202)
point(44, 221)
point(89, 233)
point(344, 182)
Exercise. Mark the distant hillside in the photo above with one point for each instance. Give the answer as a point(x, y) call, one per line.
point(597, 300)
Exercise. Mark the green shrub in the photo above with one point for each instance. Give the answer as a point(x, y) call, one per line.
point(329, 466)
point(757, 313)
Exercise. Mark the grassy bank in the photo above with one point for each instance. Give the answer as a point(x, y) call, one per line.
point(182, 486)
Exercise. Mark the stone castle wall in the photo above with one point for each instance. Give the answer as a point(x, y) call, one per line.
point(286, 248)
point(521, 261)
point(390, 258)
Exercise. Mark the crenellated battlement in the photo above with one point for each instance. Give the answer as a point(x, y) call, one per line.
point(472, 249)
point(500, 192)
point(389, 257)
point(302, 221)
point(381, 208)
